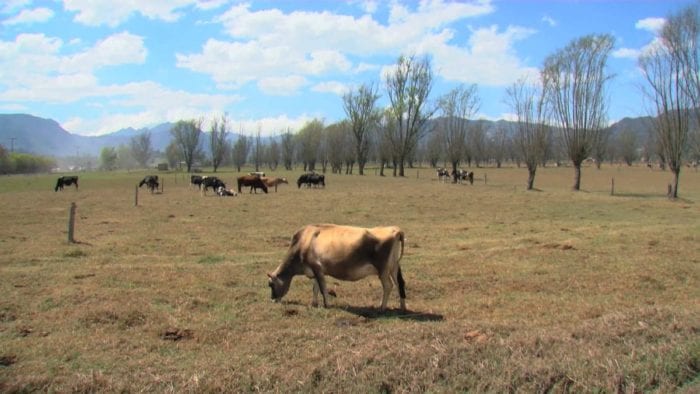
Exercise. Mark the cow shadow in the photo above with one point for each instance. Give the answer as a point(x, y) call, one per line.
point(372, 313)
point(390, 313)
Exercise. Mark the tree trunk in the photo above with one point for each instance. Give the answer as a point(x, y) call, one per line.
point(454, 171)
point(674, 185)
point(577, 176)
point(531, 177)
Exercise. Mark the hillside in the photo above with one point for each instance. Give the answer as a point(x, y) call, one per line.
point(27, 133)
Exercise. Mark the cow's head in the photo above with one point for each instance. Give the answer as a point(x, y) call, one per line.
point(278, 287)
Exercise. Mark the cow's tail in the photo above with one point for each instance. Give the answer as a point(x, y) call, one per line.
point(58, 184)
point(399, 277)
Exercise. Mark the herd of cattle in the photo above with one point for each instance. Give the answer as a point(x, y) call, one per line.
point(258, 180)
point(458, 176)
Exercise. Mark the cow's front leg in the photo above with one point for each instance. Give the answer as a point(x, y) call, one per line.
point(321, 283)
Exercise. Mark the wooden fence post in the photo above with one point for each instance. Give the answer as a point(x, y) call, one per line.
point(162, 185)
point(71, 223)
point(484, 178)
point(612, 186)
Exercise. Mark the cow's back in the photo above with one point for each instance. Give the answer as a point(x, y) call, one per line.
point(347, 252)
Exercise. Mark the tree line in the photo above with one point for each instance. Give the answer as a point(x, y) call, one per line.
point(23, 163)
point(560, 116)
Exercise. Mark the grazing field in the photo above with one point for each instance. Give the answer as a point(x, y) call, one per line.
point(508, 290)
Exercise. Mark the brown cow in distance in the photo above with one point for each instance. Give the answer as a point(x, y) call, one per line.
point(345, 253)
point(253, 181)
point(273, 182)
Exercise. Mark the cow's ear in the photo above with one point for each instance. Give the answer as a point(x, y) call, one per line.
point(269, 275)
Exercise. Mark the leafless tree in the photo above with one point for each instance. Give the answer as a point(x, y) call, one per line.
point(309, 138)
point(335, 136)
point(576, 77)
point(627, 146)
point(360, 108)
point(457, 107)
point(671, 72)
point(239, 155)
point(671, 105)
point(273, 154)
point(287, 141)
point(408, 86)
point(141, 148)
point(258, 149)
point(681, 38)
point(476, 142)
point(386, 152)
point(186, 135)
point(527, 101)
point(217, 141)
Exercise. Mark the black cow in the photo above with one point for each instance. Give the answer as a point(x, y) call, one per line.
point(66, 181)
point(196, 180)
point(151, 181)
point(211, 182)
point(311, 178)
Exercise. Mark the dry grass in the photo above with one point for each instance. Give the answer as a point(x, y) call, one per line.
point(508, 290)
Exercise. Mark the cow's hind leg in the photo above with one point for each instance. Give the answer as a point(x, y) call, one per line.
point(387, 284)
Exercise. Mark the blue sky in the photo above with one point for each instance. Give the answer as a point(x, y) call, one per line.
point(97, 66)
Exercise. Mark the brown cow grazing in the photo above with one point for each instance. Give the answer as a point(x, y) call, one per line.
point(345, 253)
point(270, 182)
point(253, 181)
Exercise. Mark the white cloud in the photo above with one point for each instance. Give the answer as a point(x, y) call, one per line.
point(653, 25)
point(36, 15)
point(626, 53)
point(549, 20)
point(12, 6)
point(32, 58)
point(113, 13)
point(273, 125)
point(488, 59)
point(335, 87)
point(369, 6)
point(281, 86)
point(270, 44)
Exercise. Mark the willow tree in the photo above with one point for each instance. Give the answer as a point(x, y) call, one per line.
point(217, 141)
point(671, 71)
point(456, 108)
point(186, 135)
point(360, 108)
point(576, 77)
point(527, 102)
point(671, 106)
point(408, 85)
point(141, 148)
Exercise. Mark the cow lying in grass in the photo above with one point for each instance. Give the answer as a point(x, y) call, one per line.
point(345, 253)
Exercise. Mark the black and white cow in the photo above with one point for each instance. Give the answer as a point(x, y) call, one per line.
point(443, 174)
point(196, 180)
point(151, 181)
point(211, 182)
point(463, 175)
point(66, 181)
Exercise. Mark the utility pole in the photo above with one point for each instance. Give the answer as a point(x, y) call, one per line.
point(12, 144)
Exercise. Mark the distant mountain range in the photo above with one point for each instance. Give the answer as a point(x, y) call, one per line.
point(31, 134)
